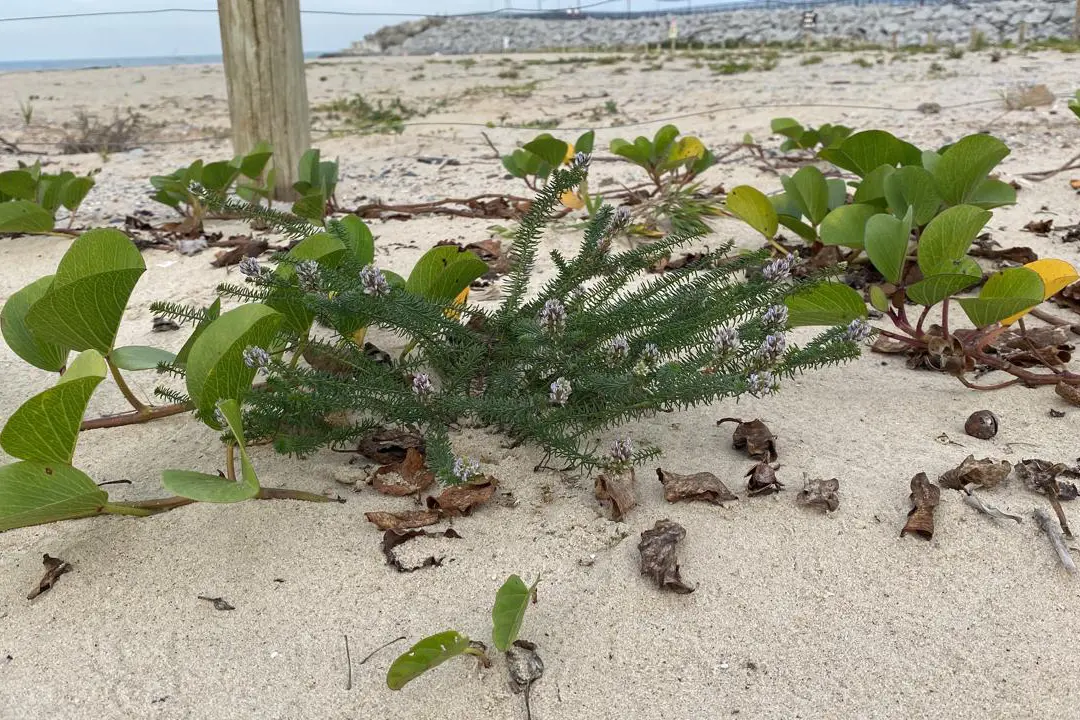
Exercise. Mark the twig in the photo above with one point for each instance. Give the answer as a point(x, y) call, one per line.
point(12, 147)
point(498, 155)
point(1071, 164)
point(1043, 519)
point(968, 493)
point(133, 418)
point(348, 660)
point(381, 647)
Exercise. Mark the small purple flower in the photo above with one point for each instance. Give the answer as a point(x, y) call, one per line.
point(373, 281)
point(581, 160)
point(553, 316)
point(649, 360)
point(465, 469)
point(308, 275)
point(249, 267)
point(725, 341)
point(771, 350)
point(219, 417)
point(421, 384)
point(560, 391)
point(760, 383)
point(622, 450)
point(775, 316)
point(858, 330)
point(778, 269)
point(256, 357)
point(616, 350)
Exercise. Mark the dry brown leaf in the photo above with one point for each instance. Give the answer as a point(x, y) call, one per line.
point(393, 538)
point(1040, 227)
point(699, 486)
point(524, 665)
point(244, 246)
point(1043, 476)
point(925, 496)
point(762, 480)
point(820, 494)
point(1075, 184)
point(616, 493)
point(326, 360)
point(389, 445)
point(983, 473)
point(658, 555)
point(404, 520)
point(753, 437)
point(490, 251)
point(1021, 255)
point(1071, 393)
point(888, 346)
point(461, 499)
point(54, 568)
point(409, 477)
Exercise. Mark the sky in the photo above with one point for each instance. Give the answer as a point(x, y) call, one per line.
point(198, 34)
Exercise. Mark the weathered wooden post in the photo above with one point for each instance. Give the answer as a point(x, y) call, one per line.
point(264, 72)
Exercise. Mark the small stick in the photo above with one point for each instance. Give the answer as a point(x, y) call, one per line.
point(969, 496)
point(348, 660)
point(1056, 539)
point(498, 155)
point(384, 645)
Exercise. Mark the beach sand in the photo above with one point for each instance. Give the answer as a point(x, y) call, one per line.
point(796, 615)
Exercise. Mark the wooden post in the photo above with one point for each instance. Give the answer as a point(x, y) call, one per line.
point(264, 73)
point(1076, 22)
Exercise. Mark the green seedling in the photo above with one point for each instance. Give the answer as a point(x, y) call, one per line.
point(246, 175)
point(808, 138)
point(317, 187)
point(29, 198)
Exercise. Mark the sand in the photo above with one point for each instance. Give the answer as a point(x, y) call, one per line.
point(796, 615)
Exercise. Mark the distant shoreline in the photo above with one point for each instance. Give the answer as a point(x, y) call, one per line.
point(10, 66)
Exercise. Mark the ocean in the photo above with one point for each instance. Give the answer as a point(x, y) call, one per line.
point(83, 63)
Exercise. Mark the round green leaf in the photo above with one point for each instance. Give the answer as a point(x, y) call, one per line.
point(965, 165)
point(74, 191)
point(140, 357)
point(356, 236)
point(913, 187)
point(846, 225)
point(1006, 293)
point(23, 216)
point(879, 299)
point(203, 487)
point(991, 194)
point(34, 493)
point(809, 189)
point(825, 304)
point(944, 243)
point(423, 656)
point(215, 365)
point(752, 207)
point(798, 227)
point(46, 427)
point(862, 152)
point(549, 149)
point(18, 184)
point(324, 249)
point(39, 353)
point(83, 307)
point(872, 188)
point(936, 288)
point(886, 244)
point(443, 272)
point(507, 614)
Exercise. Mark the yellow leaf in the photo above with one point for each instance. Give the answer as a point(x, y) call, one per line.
point(689, 148)
point(1055, 274)
point(569, 154)
point(461, 299)
point(571, 200)
point(359, 336)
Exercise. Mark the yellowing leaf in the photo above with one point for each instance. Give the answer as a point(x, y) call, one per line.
point(461, 299)
point(686, 149)
point(1056, 274)
point(572, 200)
point(569, 154)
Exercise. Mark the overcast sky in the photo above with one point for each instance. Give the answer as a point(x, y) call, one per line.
point(197, 34)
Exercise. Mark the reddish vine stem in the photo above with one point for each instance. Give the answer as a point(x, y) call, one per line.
point(135, 418)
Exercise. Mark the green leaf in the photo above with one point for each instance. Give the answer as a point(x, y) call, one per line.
point(878, 299)
point(203, 487)
point(443, 272)
point(510, 162)
point(210, 316)
point(871, 190)
point(965, 165)
point(218, 176)
point(846, 225)
point(423, 656)
point(358, 238)
point(253, 164)
point(913, 187)
point(507, 614)
point(215, 366)
point(784, 204)
point(934, 289)
point(18, 184)
point(944, 243)
point(74, 191)
point(34, 493)
point(46, 427)
point(864, 151)
point(549, 149)
point(837, 192)
point(309, 167)
point(324, 249)
point(788, 127)
point(634, 152)
point(48, 192)
point(825, 304)
point(886, 244)
point(311, 207)
point(1006, 293)
point(993, 193)
point(798, 227)
point(808, 188)
point(751, 206)
point(39, 353)
point(585, 142)
point(139, 357)
point(23, 216)
point(83, 307)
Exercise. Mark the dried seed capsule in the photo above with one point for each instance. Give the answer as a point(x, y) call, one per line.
point(982, 424)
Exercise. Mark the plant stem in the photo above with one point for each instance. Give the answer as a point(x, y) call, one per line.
point(230, 461)
point(142, 508)
point(299, 352)
point(998, 386)
point(134, 418)
point(287, 494)
point(945, 317)
point(122, 384)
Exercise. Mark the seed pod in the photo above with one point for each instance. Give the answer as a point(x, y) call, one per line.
point(982, 424)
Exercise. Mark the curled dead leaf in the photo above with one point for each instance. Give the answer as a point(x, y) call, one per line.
point(1039, 227)
point(403, 520)
point(699, 486)
point(983, 473)
point(762, 480)
point(244, 246)
point(1043, 476)
point(390, 445)
point(659, 558)
point(820, 494)
point(524, 665)
point(462, 499)
point(409, 477)
point(54, 568)
point(753, 437)
point(888, 346)
point(616, 493)
point(1071, 393)
point(490, 251)
point(393, 538)
point(925, 496)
